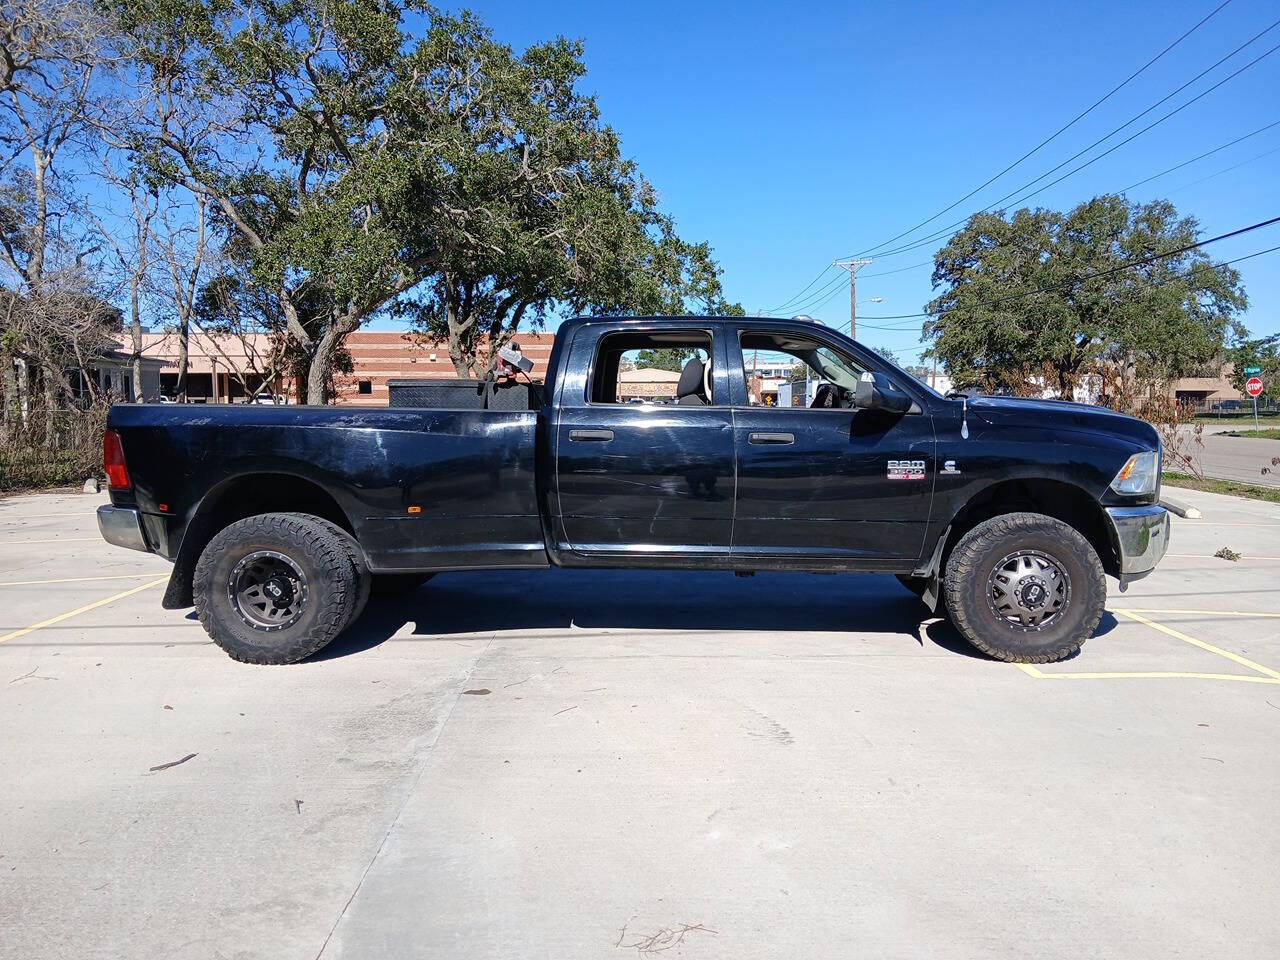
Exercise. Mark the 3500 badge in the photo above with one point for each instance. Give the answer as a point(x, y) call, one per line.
point(905, 470)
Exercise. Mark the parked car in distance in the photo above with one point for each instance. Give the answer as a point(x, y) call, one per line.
point(1006, 514)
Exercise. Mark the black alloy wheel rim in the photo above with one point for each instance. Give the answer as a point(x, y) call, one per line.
point(1029, 590)
point(267, 590)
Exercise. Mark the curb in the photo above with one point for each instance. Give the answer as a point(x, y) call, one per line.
point(1180, 508)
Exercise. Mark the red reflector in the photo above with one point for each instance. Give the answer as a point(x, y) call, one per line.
point(113, 462)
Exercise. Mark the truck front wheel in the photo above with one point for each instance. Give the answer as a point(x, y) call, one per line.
point(1025, 588)
point(274, 588)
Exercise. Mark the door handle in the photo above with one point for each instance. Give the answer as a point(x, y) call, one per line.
point(590, 434)
point(771, 438)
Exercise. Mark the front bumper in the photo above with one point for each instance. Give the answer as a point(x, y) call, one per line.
point(122, 526)
point(1141, 537)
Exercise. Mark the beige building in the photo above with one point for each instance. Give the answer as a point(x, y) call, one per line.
point(647, 383)
point(220, 368)
point(1206, 391)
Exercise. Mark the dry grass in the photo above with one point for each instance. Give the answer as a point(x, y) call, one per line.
point(35, 458)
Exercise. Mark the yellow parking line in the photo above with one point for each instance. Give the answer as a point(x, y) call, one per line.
point(1179, 635)
point(1207, 613)
point(34, 583)
point(1168, 675)
point(12, 635)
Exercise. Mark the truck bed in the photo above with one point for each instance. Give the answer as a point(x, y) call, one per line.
point(422, 488)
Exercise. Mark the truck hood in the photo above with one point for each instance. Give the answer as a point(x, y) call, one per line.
point(1063, 415)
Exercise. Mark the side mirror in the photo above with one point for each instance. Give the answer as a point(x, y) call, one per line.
point(877, 392)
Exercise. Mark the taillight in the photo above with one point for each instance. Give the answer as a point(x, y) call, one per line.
point(113, 462)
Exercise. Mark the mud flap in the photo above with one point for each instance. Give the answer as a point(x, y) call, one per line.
point(932, 595)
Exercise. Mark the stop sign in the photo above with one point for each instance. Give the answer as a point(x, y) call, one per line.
point(1253, 387)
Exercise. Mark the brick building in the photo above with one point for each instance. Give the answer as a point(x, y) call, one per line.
point(379, 357)
point(220, 367)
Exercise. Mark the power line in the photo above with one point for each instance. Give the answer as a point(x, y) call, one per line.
point(1094, 276)
point(834, 286)
point(885, 273)
point(816, 307)
point(795, 301)
point(1207, 153)
point(785, 303)
point(1234, 166)
point(1186, 273)
point(1063, 129)
point(824, 292)
point(915, 245)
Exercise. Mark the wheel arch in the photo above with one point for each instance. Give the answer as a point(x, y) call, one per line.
point(1059, 499)
point(245, 495)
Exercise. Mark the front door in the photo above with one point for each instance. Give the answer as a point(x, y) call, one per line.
point(650, 481)
point(829, 482)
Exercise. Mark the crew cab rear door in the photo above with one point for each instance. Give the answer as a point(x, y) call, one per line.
point(825, 484)
point(644, 482)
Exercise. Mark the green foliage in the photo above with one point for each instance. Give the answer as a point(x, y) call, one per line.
point(1017, 308)
point(438, 176)
point(1263, 353)
point(664, 358)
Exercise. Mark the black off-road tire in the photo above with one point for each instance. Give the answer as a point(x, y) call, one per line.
point(363, 578)
point(328, 577)
point(967, 590)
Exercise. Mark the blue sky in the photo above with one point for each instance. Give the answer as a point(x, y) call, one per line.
point(788, 135)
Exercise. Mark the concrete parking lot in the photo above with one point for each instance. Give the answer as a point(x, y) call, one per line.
point(593, 765)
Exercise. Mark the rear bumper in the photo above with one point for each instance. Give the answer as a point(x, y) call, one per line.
point(1141, 536)
point(122, 526)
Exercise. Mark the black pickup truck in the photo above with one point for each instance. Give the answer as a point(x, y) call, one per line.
point(1005, 514)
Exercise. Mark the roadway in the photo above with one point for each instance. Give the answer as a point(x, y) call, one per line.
point(1239, 458)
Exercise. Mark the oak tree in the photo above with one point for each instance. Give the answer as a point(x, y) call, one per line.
point(1041, 299)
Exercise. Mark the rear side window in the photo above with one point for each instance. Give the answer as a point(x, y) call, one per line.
point(646, 367)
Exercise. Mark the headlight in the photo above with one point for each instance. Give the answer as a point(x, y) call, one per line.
point(1139, 474)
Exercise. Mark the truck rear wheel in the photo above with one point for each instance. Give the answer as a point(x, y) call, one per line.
point(274, 588)
point(360, 569)
point(1025, 588)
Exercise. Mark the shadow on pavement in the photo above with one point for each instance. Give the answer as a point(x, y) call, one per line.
point(557, 599)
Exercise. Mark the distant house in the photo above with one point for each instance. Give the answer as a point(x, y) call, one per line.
point(89, 330)
point(112, 373)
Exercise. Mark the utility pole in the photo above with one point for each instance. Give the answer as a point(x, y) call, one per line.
point(852, 266)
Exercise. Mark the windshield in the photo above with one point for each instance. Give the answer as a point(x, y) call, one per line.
point(828, 363)
point(831, 366)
